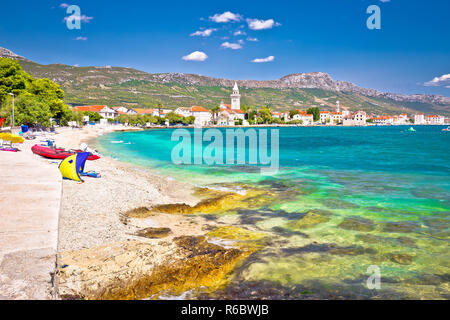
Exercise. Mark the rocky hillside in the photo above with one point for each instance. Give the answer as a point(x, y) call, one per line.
point(126, 86)
point(5, 53)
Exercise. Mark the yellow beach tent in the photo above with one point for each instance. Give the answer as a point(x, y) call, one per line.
point(71, 167)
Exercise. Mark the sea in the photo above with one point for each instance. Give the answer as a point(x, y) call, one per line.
point(351, 212)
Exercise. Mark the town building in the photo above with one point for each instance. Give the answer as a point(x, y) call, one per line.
point(120, 110)
point(337, 117)
point(184, 112)
point(435, 120)
point(104, 111)
point(419, 118)
point(384, 120)
point(203, 117)
point(325, 117)
point(306, 118)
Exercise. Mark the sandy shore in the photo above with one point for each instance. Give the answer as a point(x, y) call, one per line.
point(105, 252)
point(92, 212)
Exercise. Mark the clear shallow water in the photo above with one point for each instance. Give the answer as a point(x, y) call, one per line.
point(373, 196)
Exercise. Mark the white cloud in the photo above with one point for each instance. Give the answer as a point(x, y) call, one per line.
point(203, 33)
point(226, 17)
point(252, 39)
point(385, 0)
point(64, 5)
point(239, 33)
point(262, 60)
point(256, 24)
point(81, 18)
point(233, 46)
point(196, 56)
point(81, 38)
point(439, 81)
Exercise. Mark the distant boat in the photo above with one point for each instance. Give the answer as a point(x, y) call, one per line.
point(412, 129)
point(447, 129)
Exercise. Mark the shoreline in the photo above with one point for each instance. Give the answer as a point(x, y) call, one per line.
point(102, 233)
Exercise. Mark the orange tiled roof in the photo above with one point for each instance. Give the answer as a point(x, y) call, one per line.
point(198, 109)
point(144, 111)
point(89, 108)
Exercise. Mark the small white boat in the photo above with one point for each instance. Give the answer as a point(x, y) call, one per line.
point(448, 129)
point(412, 129)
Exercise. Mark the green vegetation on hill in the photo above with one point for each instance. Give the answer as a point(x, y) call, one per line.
point(131, 88)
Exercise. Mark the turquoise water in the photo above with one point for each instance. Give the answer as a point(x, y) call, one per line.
point(373, 196)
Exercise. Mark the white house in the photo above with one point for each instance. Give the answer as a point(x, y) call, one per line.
point(419, 118)
point(120, 110)
point(306, 118)
point(384, 120)
point(435, 119)
point(337, 117)
point(104, 111)
point(325, 117)
point(185, 112)
point(203, 117)
point(360, 118)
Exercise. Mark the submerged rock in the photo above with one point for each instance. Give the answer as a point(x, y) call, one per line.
point(310, 219)
point(137, 213)
point(339, 204)
point(136, 270)
point(329, 248)
point(400, 258)
point(154, 233)
point(245, 239)
point(221, 203)
point(357, 224)
point(399, 227)
point(370, 238)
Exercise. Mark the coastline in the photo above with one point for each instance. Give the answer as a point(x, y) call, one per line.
point(104, 248)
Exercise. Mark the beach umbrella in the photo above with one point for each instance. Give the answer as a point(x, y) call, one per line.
point(11, 137)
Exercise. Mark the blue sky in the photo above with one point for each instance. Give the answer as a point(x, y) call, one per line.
point(410, 54)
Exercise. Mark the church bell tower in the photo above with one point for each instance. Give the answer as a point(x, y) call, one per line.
point(235, 98)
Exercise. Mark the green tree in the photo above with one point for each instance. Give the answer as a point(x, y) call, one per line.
point(189, 120)
point(266, 115)
point(173, 118)
point(77, 116)
point(293, 113)
point(30, 110)
point(14, 80)
point(215, 112)
point(93, 116)
point(315, 112)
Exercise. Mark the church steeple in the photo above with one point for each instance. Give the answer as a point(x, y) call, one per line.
point(235, 98)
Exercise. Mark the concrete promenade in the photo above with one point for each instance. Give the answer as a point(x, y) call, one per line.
point(30, 197)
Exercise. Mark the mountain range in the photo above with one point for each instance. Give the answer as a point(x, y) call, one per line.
point(130, 87)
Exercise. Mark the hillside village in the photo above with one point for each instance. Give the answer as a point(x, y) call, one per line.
point(233, 114)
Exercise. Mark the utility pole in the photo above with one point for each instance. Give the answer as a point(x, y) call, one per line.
point(12, 121)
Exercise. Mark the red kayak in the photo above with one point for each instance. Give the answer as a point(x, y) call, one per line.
point(55, 153)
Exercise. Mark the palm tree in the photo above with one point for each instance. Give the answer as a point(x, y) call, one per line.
point(215, 111)
point(159, 109)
